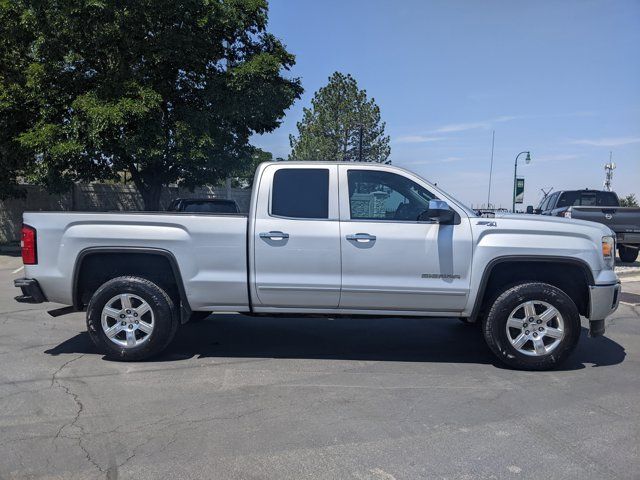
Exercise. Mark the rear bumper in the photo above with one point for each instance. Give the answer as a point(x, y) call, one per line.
point(628, 239)
point(31, 291)
point(603, 301)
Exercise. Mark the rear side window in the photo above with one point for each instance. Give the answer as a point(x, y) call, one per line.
point(300, 193)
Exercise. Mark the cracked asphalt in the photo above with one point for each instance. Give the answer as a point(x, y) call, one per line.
point(273, 398)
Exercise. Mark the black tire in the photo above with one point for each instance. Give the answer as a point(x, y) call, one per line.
point(627, 254)
point(164, 313)
point(494, 325)
point(197, 317)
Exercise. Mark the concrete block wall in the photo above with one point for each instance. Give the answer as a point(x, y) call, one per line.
point(97, 197)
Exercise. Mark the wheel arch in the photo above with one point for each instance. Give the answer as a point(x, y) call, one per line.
point(135, 257)
point(549, 269)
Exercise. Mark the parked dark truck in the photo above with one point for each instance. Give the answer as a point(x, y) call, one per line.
point(602, 207)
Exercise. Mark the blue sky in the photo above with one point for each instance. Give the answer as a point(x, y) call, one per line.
point(559, 78)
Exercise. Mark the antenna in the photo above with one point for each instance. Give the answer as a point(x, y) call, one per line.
point(493, 142)
point(608, 173)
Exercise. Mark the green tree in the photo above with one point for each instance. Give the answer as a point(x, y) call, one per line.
point(17, 110)
point(629, 201)
point(168, 90)
point(340, 117)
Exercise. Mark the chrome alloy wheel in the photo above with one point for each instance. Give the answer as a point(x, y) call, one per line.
point(535, 328)
point(127, 320)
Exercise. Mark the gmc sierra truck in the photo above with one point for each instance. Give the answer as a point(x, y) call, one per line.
point(602, 207)
point(332, 239)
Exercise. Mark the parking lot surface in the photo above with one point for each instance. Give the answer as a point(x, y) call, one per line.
point(237, 397)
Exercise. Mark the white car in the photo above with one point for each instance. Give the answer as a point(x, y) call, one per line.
point(327, 238)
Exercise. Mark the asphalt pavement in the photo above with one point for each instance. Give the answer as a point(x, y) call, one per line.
point(237, 397)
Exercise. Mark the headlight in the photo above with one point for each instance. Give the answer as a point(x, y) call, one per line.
point(609, 250)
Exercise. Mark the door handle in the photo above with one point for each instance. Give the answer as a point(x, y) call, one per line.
point(274, 235)
point(361, 237)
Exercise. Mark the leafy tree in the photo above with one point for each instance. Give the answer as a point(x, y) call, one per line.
point(243, 178)
point(168, 90)
point(331, 129)
point(629, 201)
point(17, 110)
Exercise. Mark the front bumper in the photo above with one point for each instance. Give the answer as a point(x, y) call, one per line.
point(31, 291)
point(603, 301)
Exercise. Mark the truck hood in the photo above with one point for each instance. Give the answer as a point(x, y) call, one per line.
point(570, 223)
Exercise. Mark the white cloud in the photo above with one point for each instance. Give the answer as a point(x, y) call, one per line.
point(418, 139)
point(559, 157)
point(607, 142)
point(486, 124)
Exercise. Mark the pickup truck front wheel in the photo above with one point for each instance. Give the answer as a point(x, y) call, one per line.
point(532, 326)
point(131, 318)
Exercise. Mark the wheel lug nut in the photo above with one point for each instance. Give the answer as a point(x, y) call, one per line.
point(526, 332)
point(535, 334)
point(136, 322)
point(135, 314)
point(122, 315)
point(539, 321)
point(531, 319)
point(525, 325)
point(541, 329)
point(130, 326)
point(123, 323)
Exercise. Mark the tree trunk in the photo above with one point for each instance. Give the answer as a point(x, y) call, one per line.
point(149, 187)
point(151, 196)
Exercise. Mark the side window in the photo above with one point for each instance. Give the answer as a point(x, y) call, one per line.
point(300, 193)
point(377, 195)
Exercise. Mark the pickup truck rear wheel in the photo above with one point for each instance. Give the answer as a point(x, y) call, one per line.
point(627, 254)
point(532, 326)
point(131, 318)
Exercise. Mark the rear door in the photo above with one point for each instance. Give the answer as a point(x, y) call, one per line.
point(392, 261)
point(296, 237)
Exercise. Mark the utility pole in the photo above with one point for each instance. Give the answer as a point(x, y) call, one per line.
point(360, 147)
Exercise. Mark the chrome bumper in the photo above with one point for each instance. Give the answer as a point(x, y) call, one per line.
point(603, 301)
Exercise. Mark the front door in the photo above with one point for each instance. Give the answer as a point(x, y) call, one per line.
point(296, 238)
point(392, 261)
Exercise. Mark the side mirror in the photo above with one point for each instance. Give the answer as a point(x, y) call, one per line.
point(537, 211)
point(439, 211)
point(530, 209)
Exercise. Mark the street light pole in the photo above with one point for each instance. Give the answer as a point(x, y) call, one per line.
point(515, 177)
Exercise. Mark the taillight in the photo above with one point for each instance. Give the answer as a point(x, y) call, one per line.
point(28, 244)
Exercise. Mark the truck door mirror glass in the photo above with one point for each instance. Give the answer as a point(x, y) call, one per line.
point(438, 211)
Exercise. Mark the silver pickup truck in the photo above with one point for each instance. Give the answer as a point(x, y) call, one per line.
point(330, 239)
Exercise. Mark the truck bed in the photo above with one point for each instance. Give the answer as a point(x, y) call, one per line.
point(210, 250)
